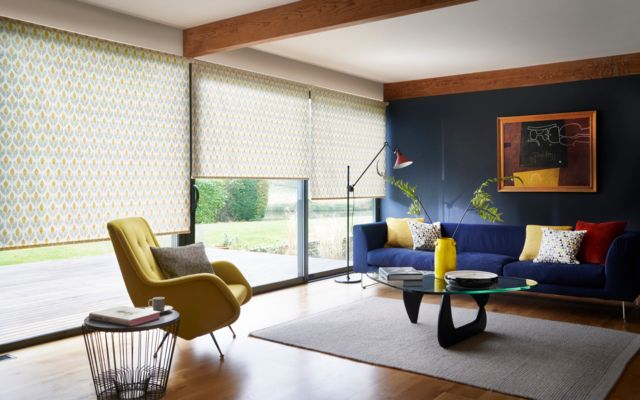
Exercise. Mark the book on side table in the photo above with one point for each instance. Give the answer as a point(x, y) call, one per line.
point(129, 316)
point(400, 273)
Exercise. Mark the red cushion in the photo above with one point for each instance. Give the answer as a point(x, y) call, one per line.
point(597, 240)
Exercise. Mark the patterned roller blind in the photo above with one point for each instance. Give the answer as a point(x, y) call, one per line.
point(90, 131)
point(247, 125)
point(346, 130)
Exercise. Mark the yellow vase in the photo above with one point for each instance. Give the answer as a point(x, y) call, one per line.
point(439, 285)
point(444, 257)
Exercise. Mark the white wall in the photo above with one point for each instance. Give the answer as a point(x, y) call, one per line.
point(258, 61)
point(93, 21)
point(89, 20)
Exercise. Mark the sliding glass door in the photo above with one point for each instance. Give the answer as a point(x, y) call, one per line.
point(252, 223)
point(328, 232)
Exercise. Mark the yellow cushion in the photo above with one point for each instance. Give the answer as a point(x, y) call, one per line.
point(533, 239)
point(398, 233)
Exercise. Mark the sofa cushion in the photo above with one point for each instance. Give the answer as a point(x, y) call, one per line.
point(398, 233)
point(559, 246)
point(482, 261)
point(598, 239)
point(484, 238)
point(534, 238)
point(399, 257)
point(581, 275)
point(424, 235)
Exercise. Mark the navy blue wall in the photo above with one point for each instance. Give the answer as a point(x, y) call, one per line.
point(453, 142)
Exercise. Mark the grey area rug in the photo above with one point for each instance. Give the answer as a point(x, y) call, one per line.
point(525, 357)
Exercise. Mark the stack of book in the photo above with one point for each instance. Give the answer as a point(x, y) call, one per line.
point(400, 273)
point(129, 316)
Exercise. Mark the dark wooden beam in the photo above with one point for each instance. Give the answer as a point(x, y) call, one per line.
point(569, 71)
point(294, 19)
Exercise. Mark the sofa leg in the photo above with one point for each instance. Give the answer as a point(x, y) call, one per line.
point(624, 312)
point(363, 286)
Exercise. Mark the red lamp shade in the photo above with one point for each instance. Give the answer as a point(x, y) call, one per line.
point(401, 160)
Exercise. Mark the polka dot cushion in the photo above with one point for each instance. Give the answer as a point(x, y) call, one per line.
point(424, 235)
point(560, 247)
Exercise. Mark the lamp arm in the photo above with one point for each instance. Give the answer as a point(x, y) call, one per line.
point(350, 187)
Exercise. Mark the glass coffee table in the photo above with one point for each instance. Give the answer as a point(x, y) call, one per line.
point(448, 334)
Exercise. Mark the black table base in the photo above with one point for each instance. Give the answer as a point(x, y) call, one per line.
point(131, 362)
point(448, 334)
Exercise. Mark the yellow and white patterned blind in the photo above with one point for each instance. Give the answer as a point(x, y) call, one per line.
point(247, 125)
point(346, 130)
point(90, 131)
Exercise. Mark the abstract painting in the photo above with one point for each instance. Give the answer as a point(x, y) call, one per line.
point(548, 152)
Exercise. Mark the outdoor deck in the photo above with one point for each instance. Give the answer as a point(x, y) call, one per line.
point(44, 297)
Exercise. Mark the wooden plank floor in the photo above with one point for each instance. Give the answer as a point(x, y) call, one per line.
point(44, 297)
point(257, 369)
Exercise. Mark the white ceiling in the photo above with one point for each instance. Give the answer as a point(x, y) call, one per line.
point(185, 13)
point(480, 36)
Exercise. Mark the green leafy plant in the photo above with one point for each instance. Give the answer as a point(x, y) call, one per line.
point(416, 206)
point(482, 203)
point(228, 241)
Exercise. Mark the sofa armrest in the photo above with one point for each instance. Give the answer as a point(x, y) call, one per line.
point(367, 237)
point(622, 266)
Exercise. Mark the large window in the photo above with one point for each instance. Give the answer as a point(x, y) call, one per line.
point(52, 289)
point(252, 223)
point(257, 225)
point(328, 231)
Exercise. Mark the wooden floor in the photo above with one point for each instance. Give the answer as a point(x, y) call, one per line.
point(257, 369)
point(39, 298)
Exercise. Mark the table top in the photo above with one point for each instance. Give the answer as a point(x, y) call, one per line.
point(166, 318)
point(432, 285)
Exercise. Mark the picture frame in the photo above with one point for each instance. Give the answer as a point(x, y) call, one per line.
point(548, 152)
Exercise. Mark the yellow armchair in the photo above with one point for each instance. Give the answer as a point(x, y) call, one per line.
point(206, 302)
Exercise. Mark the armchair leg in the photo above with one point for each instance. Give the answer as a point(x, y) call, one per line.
point(216, 343)
point(624, 312)
point(155, 355)
point(234, 334)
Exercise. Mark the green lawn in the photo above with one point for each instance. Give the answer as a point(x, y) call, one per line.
point(244, 235)
point(251, 234)
point(20, 256)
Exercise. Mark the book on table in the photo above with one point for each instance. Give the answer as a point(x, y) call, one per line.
point(400, 273)
point(129, 316)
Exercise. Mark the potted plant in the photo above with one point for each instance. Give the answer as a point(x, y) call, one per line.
point(445, 248)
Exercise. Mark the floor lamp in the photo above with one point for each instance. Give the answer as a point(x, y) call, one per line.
point(401, 162)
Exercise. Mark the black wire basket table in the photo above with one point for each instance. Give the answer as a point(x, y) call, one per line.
point(131, 362)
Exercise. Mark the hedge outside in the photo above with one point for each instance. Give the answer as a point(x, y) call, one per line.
point(232, 200)
point(212, 201)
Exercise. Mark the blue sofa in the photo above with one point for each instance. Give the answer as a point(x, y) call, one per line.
point(496, 248)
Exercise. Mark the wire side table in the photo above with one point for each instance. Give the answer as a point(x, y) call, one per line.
point(131, 362)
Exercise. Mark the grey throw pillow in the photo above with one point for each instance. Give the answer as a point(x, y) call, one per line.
point(181, 261)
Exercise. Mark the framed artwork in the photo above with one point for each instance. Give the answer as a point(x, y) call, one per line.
point(548, 152)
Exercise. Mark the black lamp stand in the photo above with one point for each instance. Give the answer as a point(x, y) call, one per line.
point(348, 278)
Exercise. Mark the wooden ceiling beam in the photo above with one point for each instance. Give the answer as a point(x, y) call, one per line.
point(569, 71)
point(294, 19)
